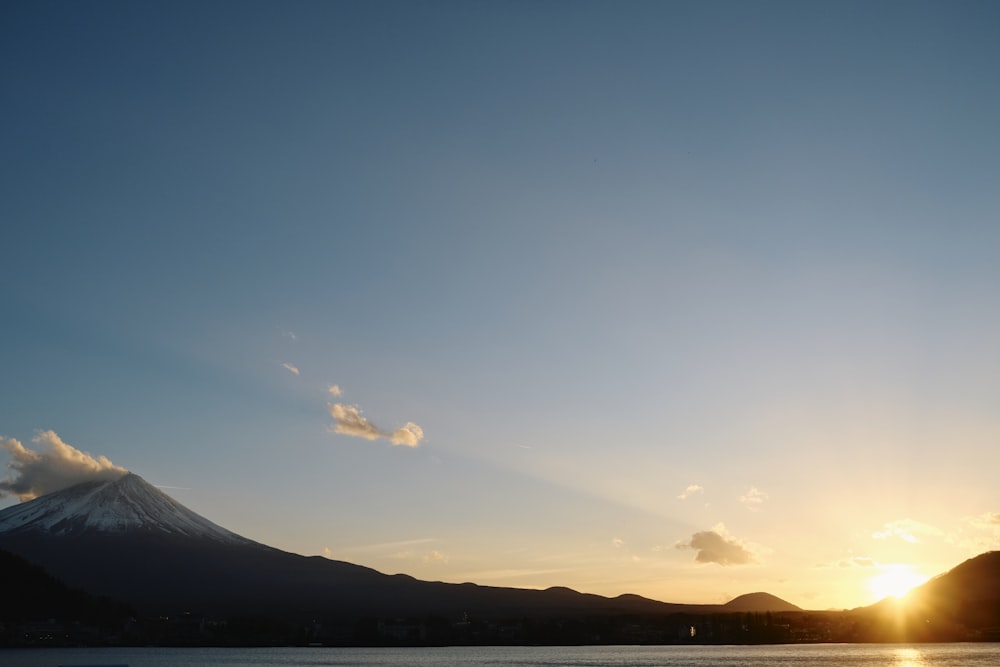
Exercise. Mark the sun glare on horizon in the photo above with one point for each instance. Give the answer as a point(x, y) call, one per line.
point(894, 581)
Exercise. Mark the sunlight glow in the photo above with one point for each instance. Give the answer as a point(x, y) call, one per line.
point(894, 581)
point(908, 657)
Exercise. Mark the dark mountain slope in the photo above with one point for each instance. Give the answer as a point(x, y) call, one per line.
point(31, 594)
point(968, 594)
point(961, 604)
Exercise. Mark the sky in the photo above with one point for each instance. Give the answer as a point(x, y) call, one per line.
point(681, 299)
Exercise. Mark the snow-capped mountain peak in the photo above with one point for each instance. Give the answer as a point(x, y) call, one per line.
point(125, 505)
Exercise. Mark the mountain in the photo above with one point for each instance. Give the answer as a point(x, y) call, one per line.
point(968, 595)
point(759, 602)
point(129, 504)
point(128, 540)
point(961, 604)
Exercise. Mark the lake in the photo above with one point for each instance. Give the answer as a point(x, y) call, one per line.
point(813, 655)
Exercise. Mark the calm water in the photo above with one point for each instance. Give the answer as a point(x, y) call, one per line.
point(817, 655)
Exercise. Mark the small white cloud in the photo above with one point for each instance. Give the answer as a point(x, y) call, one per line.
point(409, 435)
point(753, 499)
point(716, 546)
point(348, 420)
point(58, 466)
point(327, 553)
point(690, 491)
point(334, 390)
point(291, 368)
point(617, 542)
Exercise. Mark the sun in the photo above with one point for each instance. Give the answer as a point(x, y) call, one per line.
point(894, 581)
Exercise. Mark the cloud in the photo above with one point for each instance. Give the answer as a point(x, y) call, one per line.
point(349, 421)
point(690, 491)
point(753, 499)
point(57, 466)
point(327, 553)
point(617, 542)
point(409, 435)
point(980, 532)
point(435, 557)
point(715, 546)
point(854, 561)
point(334, 390)
point(987, 521)
point(291, 368)
point(907, 530)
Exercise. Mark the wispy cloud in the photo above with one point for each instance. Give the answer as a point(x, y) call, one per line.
point(435, 558)
point(348, 420)
point(981, 532)
point(334, 390)
point(617, 542)
point(753, 499)
point(717, 546)
point(384, 546)
point(989, 519)
point(690, 491)
point(291, 368)
point(854, 561)
point(57, 466)
point(907, 530)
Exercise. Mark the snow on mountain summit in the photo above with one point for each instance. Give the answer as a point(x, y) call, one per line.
point(127, 504)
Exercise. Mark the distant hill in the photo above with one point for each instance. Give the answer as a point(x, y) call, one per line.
point(128, 540)
point(757, 602)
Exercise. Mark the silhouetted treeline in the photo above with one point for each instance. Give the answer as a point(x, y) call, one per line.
point(189, 629)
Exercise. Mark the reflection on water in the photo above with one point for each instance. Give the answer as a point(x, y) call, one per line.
point(808, 655)
point(908, 657)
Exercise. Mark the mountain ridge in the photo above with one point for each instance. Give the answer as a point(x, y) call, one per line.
point(128, 540)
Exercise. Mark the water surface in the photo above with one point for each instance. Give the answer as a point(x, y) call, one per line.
point(812, 655)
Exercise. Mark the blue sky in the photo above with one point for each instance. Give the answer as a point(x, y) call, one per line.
point(598, 253)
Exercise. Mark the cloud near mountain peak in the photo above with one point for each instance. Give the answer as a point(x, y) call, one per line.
point(58, 465)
